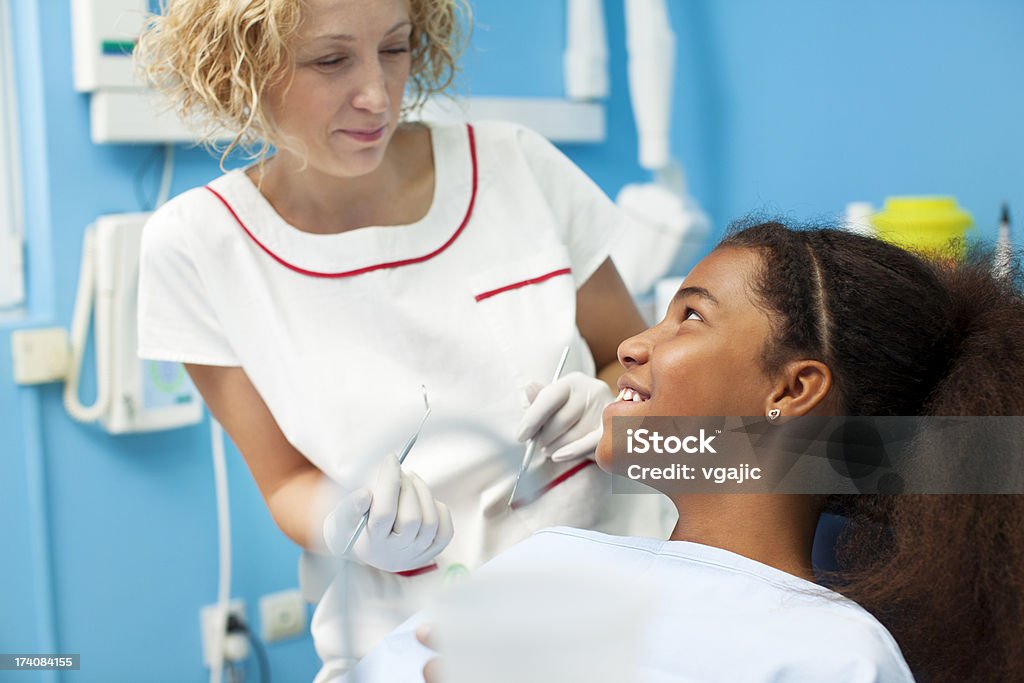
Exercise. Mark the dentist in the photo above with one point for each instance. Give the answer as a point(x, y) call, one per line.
point(312, 293)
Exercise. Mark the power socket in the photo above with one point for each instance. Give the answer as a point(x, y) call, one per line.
point(234, 646)
point(282, 615)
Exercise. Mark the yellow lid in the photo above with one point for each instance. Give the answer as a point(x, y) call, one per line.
point(921, 222)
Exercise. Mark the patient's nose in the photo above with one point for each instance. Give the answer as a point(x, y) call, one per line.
point(634, 351)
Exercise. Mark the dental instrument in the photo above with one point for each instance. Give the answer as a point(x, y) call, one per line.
point(1004, 244)
point(531, 444)
point(401, 459)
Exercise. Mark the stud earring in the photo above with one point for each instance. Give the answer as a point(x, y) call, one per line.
point(773, 414)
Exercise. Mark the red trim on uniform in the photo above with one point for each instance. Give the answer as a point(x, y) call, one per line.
point(524, 283)
point(416, 572)
point(379, 266)
point(560, 479)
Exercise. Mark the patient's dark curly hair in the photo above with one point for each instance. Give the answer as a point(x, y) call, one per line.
point(909, 335)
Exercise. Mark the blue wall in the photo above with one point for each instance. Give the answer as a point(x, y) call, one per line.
point(792, 106)
point(799, 107)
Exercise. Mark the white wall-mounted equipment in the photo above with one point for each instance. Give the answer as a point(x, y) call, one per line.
point(558, 120)
point(132, 395)
point(667, 226)
point(586, 51)
point(651, 45)
point(141, 117)
point(123, 111)
point(137, 117)
point(12, 266)
point(103, 36)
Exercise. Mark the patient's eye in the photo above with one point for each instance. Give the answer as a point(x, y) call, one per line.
point(692, 314)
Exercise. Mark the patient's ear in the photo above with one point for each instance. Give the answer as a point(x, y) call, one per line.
point(803, 387)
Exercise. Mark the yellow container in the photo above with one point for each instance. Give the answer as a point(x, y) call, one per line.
point(922, 223)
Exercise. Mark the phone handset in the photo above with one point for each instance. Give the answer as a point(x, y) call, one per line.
point(132, 395)
point(90, 290)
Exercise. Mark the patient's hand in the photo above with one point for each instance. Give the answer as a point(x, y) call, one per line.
point(432, 669)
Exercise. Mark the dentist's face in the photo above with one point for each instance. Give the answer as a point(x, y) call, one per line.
point(704, 358)
point(349, 70)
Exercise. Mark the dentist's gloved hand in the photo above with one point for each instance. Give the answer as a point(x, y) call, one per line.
point(565, 416)
point(407, 527)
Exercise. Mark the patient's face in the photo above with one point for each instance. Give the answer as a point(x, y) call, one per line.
point(704, 357)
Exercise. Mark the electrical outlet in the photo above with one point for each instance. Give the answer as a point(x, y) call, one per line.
point(208, 629)
point(282, 615)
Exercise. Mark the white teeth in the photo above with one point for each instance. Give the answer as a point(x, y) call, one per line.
point(628, 394)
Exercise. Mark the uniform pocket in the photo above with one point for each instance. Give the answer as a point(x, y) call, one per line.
point(530, 307)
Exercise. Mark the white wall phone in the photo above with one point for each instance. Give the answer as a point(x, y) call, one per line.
point(132, 395)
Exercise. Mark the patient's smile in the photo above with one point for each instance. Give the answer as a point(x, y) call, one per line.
point(630, 394)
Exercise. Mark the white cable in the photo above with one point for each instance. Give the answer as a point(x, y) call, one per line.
point(165, 178)
point(79, 332)
point(220, 478)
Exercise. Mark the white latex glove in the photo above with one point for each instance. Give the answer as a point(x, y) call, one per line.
point(407, 527)
point(565, 416)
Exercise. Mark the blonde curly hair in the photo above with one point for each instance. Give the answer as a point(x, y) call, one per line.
point(215, 60)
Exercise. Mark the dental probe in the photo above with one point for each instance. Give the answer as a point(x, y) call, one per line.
point(1004, 244)
point(401, 458)
point(531, 444)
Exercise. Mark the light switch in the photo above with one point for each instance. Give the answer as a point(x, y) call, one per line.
point(40, 355)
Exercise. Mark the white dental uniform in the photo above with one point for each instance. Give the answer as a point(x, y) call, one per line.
point(338, 331)
point(716, 616)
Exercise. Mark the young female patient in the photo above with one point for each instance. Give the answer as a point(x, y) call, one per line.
point(786, 322)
